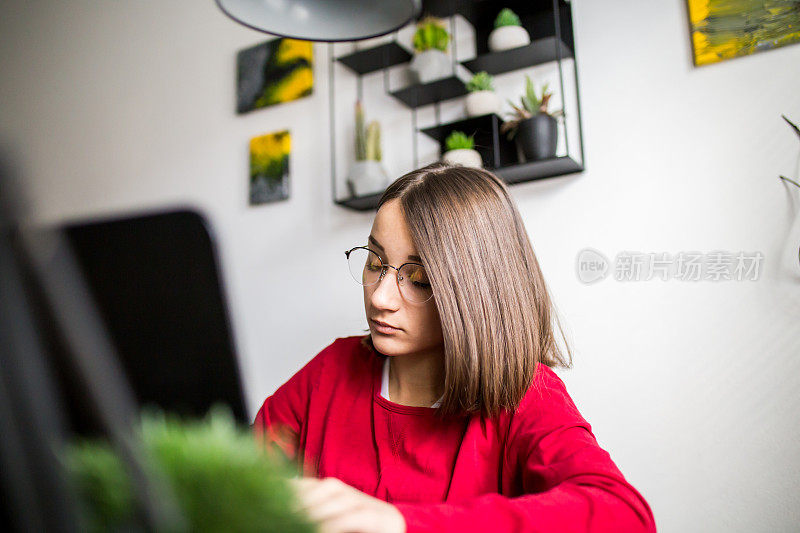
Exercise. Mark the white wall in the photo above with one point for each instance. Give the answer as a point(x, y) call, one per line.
point(692, 387)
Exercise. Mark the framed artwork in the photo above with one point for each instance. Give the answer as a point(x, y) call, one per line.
point(269, 167)
point(273, 72)
point(723, 29)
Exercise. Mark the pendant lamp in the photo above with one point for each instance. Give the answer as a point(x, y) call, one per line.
point(323, 20)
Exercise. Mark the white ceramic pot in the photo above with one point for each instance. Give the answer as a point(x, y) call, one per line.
point(375, 41)
point(430, 65)
point(506, 37)
point(367, 177)
point(482, 103)
point(463, 156)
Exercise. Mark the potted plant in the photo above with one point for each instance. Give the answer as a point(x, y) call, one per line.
point(367, 175)
point(481, 99)
point(430, 61)
point(535, 127)
point(212, 475)
point(507, 32)
point(794, 231)
point(460, 150)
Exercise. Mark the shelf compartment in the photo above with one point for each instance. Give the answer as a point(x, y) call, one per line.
point(439, 90)
point(495, 150)
point(536, 53)
point(384, 56)
point(537, 17)
point(534, 170)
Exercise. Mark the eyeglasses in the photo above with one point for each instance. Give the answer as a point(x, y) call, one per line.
point(367, 268)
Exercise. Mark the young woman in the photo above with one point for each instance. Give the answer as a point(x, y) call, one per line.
point(447, 416)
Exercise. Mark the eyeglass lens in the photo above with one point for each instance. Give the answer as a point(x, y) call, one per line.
point(366, 267)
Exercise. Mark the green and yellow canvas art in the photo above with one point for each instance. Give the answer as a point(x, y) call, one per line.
point(269, 167)
point(274, 72)
point(723, 29)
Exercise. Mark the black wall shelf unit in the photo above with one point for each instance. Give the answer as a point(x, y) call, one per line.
point(549, 24)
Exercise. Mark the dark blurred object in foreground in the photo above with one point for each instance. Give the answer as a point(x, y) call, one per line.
point(156, 283)
point(159, 334)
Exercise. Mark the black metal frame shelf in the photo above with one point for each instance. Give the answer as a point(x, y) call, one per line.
point(537, 52)
point(361, 203)
point(519, 173)
point(549, 23)
point(378, 58)
point(536, 170)
point(433, 92)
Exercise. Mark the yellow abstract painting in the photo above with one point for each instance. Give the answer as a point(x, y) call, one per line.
point(269, 167)
point(274, 72)
point(724, 29)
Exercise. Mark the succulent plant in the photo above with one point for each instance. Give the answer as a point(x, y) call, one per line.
point(797, 131)
point(784, 178)
point(531, 104)
point(368, 139)
point(482, 81)
point(431, 35)
point(506, 17)
point(458, 140)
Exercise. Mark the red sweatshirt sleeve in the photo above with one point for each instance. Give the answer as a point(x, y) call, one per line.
point(279, 421)
point(569, 483)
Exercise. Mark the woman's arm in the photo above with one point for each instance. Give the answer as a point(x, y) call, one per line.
point(569, 482)
point(280, 419)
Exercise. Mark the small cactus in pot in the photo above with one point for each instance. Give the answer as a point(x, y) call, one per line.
point(460, 150)
point(481, 99)
point(367, 175)
point(508, 32)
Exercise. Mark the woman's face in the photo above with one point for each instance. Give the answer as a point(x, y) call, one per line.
point(418, 326)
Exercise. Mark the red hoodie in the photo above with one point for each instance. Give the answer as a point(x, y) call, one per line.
point(536, 469)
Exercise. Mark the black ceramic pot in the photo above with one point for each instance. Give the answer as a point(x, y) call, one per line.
point(537, 137)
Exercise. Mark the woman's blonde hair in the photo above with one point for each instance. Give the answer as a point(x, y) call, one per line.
point(492, 299)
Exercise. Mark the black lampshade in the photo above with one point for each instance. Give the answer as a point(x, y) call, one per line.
point(323, 20)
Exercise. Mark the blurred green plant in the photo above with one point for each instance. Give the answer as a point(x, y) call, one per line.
point(482, 81)
point(506, 17)
point(430, 35)
point(222, 478)
point(458, 140)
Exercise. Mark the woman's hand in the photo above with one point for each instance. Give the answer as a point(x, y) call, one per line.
point(337, 507)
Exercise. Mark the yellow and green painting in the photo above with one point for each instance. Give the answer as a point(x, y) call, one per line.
point(269, 167)
point(277, 71)
point(723, 29)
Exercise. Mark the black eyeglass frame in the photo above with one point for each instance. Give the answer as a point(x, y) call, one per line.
point(384, 267)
